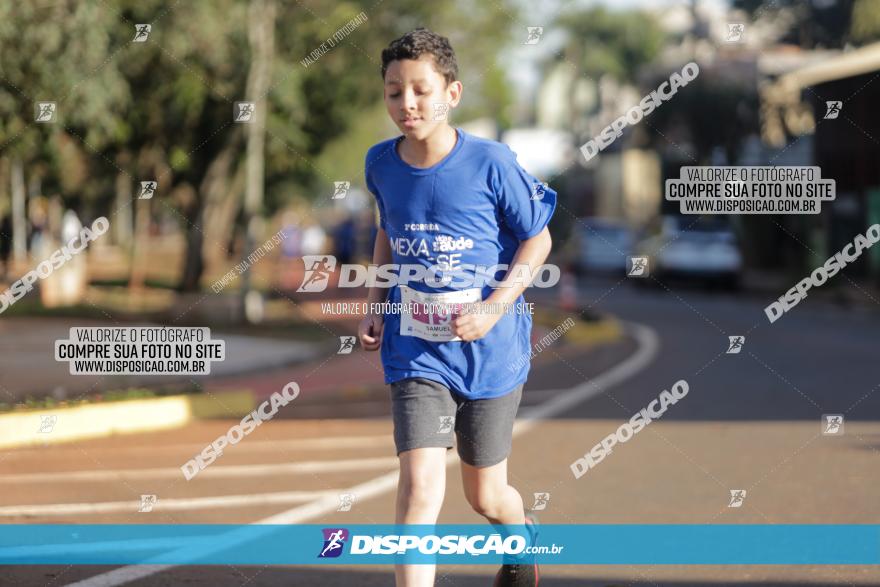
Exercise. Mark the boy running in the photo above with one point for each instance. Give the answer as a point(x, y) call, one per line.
point(452, 201)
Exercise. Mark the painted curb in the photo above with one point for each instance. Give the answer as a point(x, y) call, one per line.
point(163, 413)
point(59, 425)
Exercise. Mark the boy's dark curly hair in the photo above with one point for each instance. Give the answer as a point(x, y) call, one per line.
point(418, 42)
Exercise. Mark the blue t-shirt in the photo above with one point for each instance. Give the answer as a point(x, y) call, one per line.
point(472, 208)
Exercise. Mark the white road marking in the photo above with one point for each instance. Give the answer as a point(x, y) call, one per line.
point(214, 471)
point(167, 504)
point(31, 550)
point(648, 345)
point(325, 443)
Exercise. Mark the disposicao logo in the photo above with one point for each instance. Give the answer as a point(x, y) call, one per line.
point(318, 270)
point(334, 542)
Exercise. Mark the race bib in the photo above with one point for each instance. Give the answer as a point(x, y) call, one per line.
point(432, 313)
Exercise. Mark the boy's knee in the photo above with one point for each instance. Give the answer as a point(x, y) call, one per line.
point(485, 503)
point(420, 494)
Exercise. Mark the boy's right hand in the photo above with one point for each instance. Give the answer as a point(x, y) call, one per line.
point(370, 331)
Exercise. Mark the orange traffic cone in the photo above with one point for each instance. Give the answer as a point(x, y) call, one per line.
point(568, 291)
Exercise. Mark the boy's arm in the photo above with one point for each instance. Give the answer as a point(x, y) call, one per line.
point(531, 252)
point(371, 326)
point(381, 256)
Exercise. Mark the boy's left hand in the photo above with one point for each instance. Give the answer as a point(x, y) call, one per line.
point(475, 325)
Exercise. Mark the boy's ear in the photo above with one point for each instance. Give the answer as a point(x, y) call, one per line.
point(454, 90)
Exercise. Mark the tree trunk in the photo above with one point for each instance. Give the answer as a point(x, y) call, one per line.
point(19, 217)
point(194, 264)
point(138, 271)
point(220, 214)
point(213, 187)
point(123, 225)
point(262, 41)
point(210, 192)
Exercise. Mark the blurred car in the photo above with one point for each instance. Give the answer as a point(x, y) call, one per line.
point(603, 246)
point(692, 247)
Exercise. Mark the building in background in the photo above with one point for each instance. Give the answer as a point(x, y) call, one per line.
point(801, 105)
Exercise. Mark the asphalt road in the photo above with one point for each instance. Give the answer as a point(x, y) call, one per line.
point(750, 421)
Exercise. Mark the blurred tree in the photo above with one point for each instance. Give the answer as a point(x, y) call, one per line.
point(615, 43)
point(497, 98)
point(602, 42)
point(163, 109)
point(55, 52)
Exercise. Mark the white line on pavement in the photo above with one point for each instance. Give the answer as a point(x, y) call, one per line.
point(31, 550)
point(229, 471)
point(326, 442)
point(648, 345)
point(169, 504)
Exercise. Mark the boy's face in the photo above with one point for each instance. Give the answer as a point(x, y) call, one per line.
point(412, 88)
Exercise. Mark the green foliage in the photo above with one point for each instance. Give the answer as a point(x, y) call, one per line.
point(166, 104)
point(57, 52)
point(173, 94)
point(618, 43)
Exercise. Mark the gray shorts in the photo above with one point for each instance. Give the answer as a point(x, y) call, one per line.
point(426, 413)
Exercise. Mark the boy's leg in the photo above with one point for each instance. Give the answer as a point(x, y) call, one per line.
point(421, 486)
point(423, 413)
point(485, 432)
point(488, 492)
point(420, 491)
